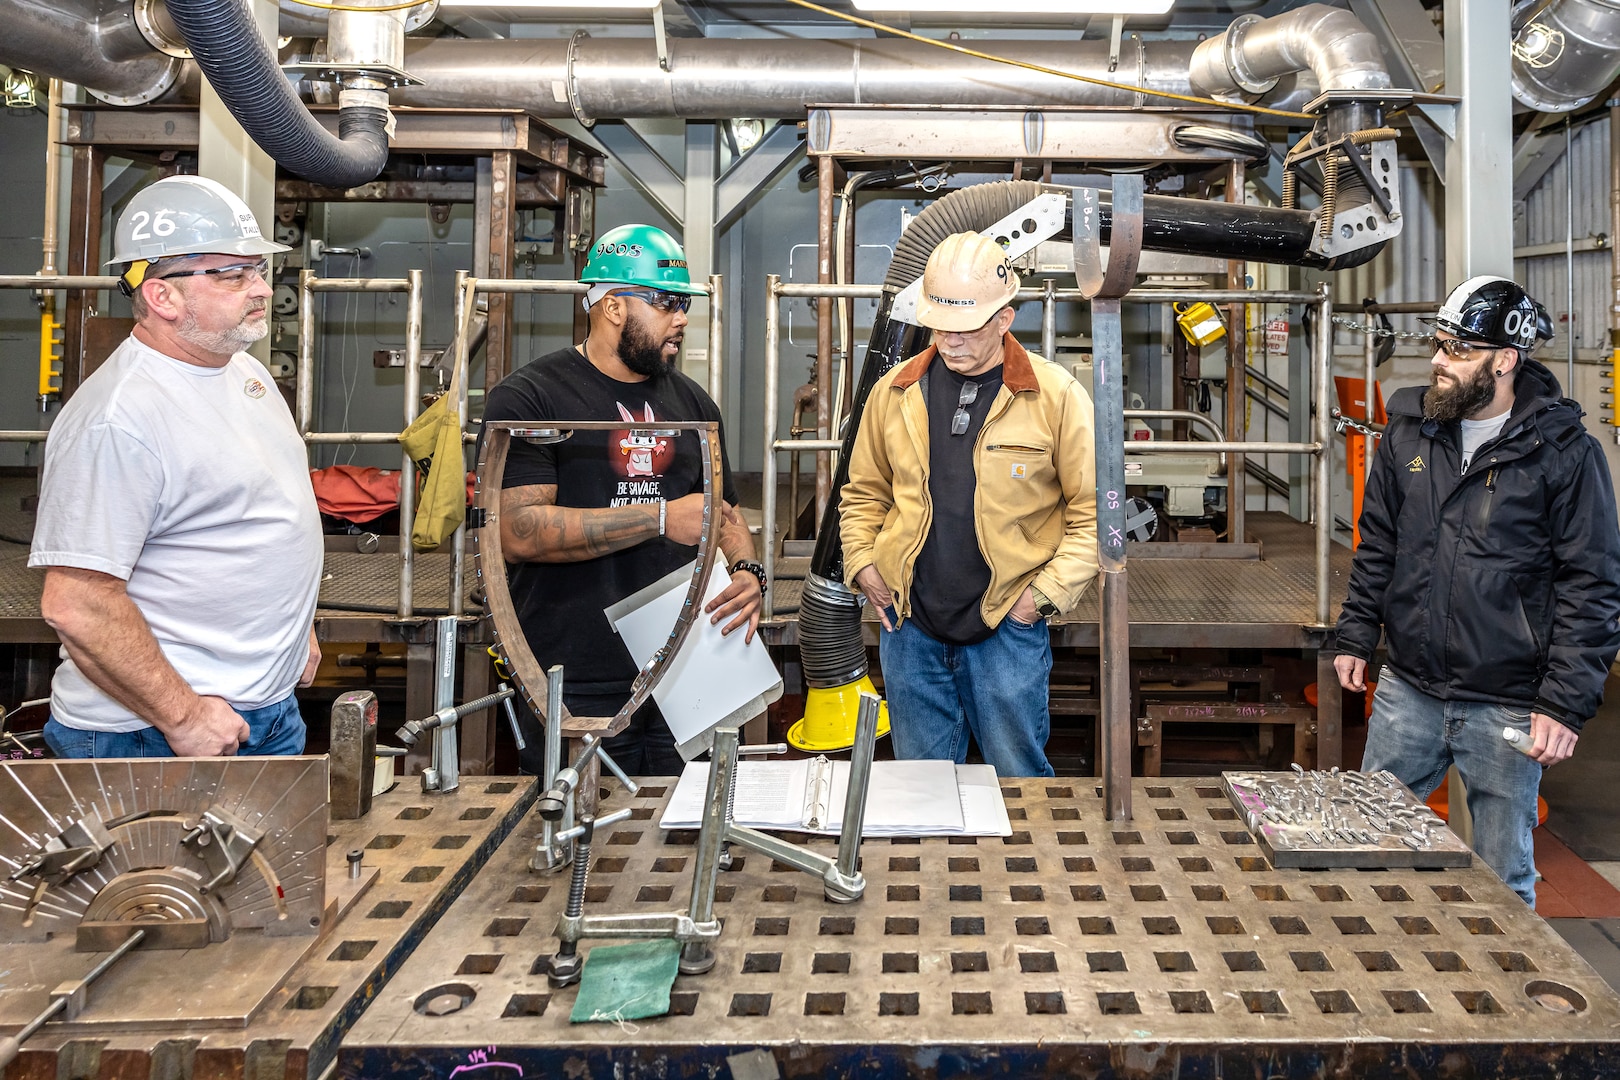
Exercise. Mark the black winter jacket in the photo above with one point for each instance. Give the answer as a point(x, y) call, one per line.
point(1500, 585)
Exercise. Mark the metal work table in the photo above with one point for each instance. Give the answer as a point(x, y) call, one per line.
point(420, 854)
point(1165, 946)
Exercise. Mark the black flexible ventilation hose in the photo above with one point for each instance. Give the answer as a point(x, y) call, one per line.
point(225, 41)
point(830, 647)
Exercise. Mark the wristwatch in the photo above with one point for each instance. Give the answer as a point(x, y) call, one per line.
point(1043, 607)
point(757, 569)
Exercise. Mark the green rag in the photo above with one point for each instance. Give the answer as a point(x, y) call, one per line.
point(626, 982)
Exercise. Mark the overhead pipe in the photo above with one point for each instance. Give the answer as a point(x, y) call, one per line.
point(73, 41)
point(1565, 53)
point(598, 78)
point(242, 69)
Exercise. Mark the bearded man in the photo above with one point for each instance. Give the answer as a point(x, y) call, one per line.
point(591, 520)
point(177, 526)
point(1490, 559)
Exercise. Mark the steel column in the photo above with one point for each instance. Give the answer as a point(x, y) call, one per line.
point(825, 167)
point(1479, 187)
point(773, 366)
point(83, 258)
point(498, 225)
point(1237, 362)
point(697, 237)
point(407, 467)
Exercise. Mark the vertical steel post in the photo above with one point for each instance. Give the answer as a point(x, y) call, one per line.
point(824, 386)
point(446, 769)
point(717, 336)
point(466, 297)
point(1569, 255)
point(1370, 378)
point(1237, 380)
point(1322, 377)
point(1104, 288)
point(767, 525)
point(1116, 723)
point(1049, 318)
point(860, 773)
point(696, 956)
point(306, 351)
point(407, 467)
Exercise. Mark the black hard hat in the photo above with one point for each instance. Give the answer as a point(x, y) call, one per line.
point(1495, 310)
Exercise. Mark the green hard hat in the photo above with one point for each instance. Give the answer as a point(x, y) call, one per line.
point(640, 255)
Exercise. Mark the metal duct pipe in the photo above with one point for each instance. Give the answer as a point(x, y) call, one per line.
point(1566, 54)
point(720, 78)
point(66, 40)
point(1254, 52)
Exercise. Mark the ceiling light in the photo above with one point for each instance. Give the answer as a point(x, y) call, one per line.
point(1020, 7)
point(575, 5)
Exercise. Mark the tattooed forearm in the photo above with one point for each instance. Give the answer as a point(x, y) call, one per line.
point(535, 529)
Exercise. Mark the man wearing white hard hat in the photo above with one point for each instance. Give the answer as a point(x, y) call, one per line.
point(177, 526)
point(970, 518)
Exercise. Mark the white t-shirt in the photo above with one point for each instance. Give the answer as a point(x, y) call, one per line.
point(1476, 433)
point(191, 484)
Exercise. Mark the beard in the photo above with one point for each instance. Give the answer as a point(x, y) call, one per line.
point(1467, 396)
point(643, 353)
point(223, 342)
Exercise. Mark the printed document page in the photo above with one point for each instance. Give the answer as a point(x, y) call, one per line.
point(770, 795)
point(906, 798)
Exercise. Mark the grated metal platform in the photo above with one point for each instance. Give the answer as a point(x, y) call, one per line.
point(1162, 947)
point(1208, 602)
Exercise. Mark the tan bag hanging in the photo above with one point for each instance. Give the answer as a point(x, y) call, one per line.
point(434, 441)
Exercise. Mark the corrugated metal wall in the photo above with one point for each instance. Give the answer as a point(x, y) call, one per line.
point(1544, 222)
point(1410, 268)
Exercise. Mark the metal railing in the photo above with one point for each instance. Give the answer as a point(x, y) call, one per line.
point(411, 286)
point(50, 282)
point(1049, 295)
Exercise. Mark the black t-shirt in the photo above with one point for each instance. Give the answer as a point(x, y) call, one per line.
point(559, 605)
point(950, 577)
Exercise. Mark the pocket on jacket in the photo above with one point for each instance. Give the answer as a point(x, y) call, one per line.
point(1490, 645)
point(1016, 448)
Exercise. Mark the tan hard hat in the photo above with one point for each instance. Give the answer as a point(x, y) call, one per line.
point(967, 280)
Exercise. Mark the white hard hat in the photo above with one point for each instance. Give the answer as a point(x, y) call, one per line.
point(967, 280)
point(187, 215)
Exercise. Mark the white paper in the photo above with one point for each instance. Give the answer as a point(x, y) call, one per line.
point(906, 798)
point(769, 794)
point(984, 811)
point(715, 678)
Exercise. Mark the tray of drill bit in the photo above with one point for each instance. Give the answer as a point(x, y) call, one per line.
point(1313, 820)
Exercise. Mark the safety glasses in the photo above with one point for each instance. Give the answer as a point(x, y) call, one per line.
point(961, 418)
point(663, 301)
point(1456, 348)
point(235, 277)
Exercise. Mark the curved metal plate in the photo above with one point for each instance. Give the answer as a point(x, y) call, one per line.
point(1124, 242)
point(491, 562)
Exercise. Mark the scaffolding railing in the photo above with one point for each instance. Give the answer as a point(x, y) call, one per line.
point(50, 283)
point(1320, 448)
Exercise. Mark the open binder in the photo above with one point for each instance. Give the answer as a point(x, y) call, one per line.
point(905, 798)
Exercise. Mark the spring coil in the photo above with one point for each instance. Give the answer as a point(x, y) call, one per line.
point(1330, 194)
point(576, 883)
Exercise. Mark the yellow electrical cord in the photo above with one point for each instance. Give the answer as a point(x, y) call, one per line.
point(858, 21)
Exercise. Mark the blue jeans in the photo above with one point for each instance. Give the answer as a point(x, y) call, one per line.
point(275, 729)
point(997, 689)
point(1417, 737)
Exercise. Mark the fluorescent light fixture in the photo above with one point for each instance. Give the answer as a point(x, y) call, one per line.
point(556, 5)
point(1018, 7)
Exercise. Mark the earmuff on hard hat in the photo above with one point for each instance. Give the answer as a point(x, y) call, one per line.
point(967, 280)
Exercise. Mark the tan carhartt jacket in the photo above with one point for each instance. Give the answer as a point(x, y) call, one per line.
point(1036, 501)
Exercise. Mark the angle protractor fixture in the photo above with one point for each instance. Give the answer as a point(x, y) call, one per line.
point(199, 847)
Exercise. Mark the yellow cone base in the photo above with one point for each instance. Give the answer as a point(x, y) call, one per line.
point(828, 722)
